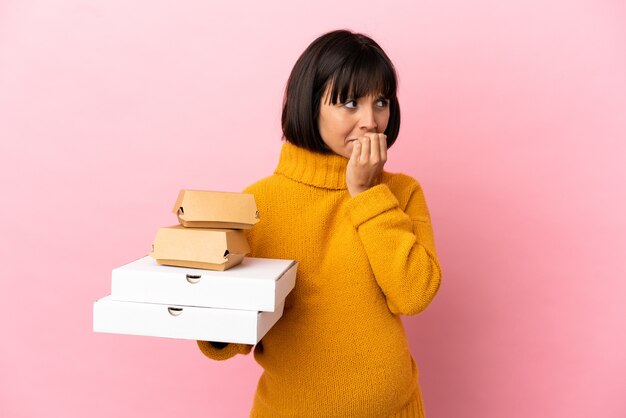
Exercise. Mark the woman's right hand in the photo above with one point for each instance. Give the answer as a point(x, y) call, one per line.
point(369, 155)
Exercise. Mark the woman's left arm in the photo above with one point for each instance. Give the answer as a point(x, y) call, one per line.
point(399, 243)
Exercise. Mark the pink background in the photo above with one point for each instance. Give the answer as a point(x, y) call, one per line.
point(514, 121)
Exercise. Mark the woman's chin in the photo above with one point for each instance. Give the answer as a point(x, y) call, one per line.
point(344, 150)
point(347, 149)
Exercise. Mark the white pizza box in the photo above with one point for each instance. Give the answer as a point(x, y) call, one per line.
point(256, 284)
point(184, 322)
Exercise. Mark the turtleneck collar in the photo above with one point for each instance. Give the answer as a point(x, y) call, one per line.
point(326, 171)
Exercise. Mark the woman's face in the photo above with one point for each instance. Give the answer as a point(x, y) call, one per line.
point(342, 123)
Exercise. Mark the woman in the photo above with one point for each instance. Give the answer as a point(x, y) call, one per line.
point(362, 237)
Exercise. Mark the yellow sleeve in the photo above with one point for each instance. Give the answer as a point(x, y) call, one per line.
point(228, 351)
point(399, 244)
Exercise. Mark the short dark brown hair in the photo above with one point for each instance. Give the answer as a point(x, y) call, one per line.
point(353, 65)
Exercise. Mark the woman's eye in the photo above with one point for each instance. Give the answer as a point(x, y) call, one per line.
point(350, 104)
point(382, 103)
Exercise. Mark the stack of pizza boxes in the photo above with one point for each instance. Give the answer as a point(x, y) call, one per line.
point(197, 282)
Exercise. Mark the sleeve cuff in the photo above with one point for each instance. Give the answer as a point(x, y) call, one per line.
point(370, 203)
point(225, 353)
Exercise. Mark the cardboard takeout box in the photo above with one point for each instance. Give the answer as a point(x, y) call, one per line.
point(205, 209)
point(257, 284)
point(186, 322)
point(214, 249)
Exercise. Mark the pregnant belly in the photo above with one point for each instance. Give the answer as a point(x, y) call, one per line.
point(332, 369)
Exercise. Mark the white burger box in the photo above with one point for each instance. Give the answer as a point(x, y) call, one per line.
point(185, 322)
point(256, 284)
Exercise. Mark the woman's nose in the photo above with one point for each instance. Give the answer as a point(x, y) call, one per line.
point(367, 120)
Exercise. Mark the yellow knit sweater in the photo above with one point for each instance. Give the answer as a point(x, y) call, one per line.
point(339, 349)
